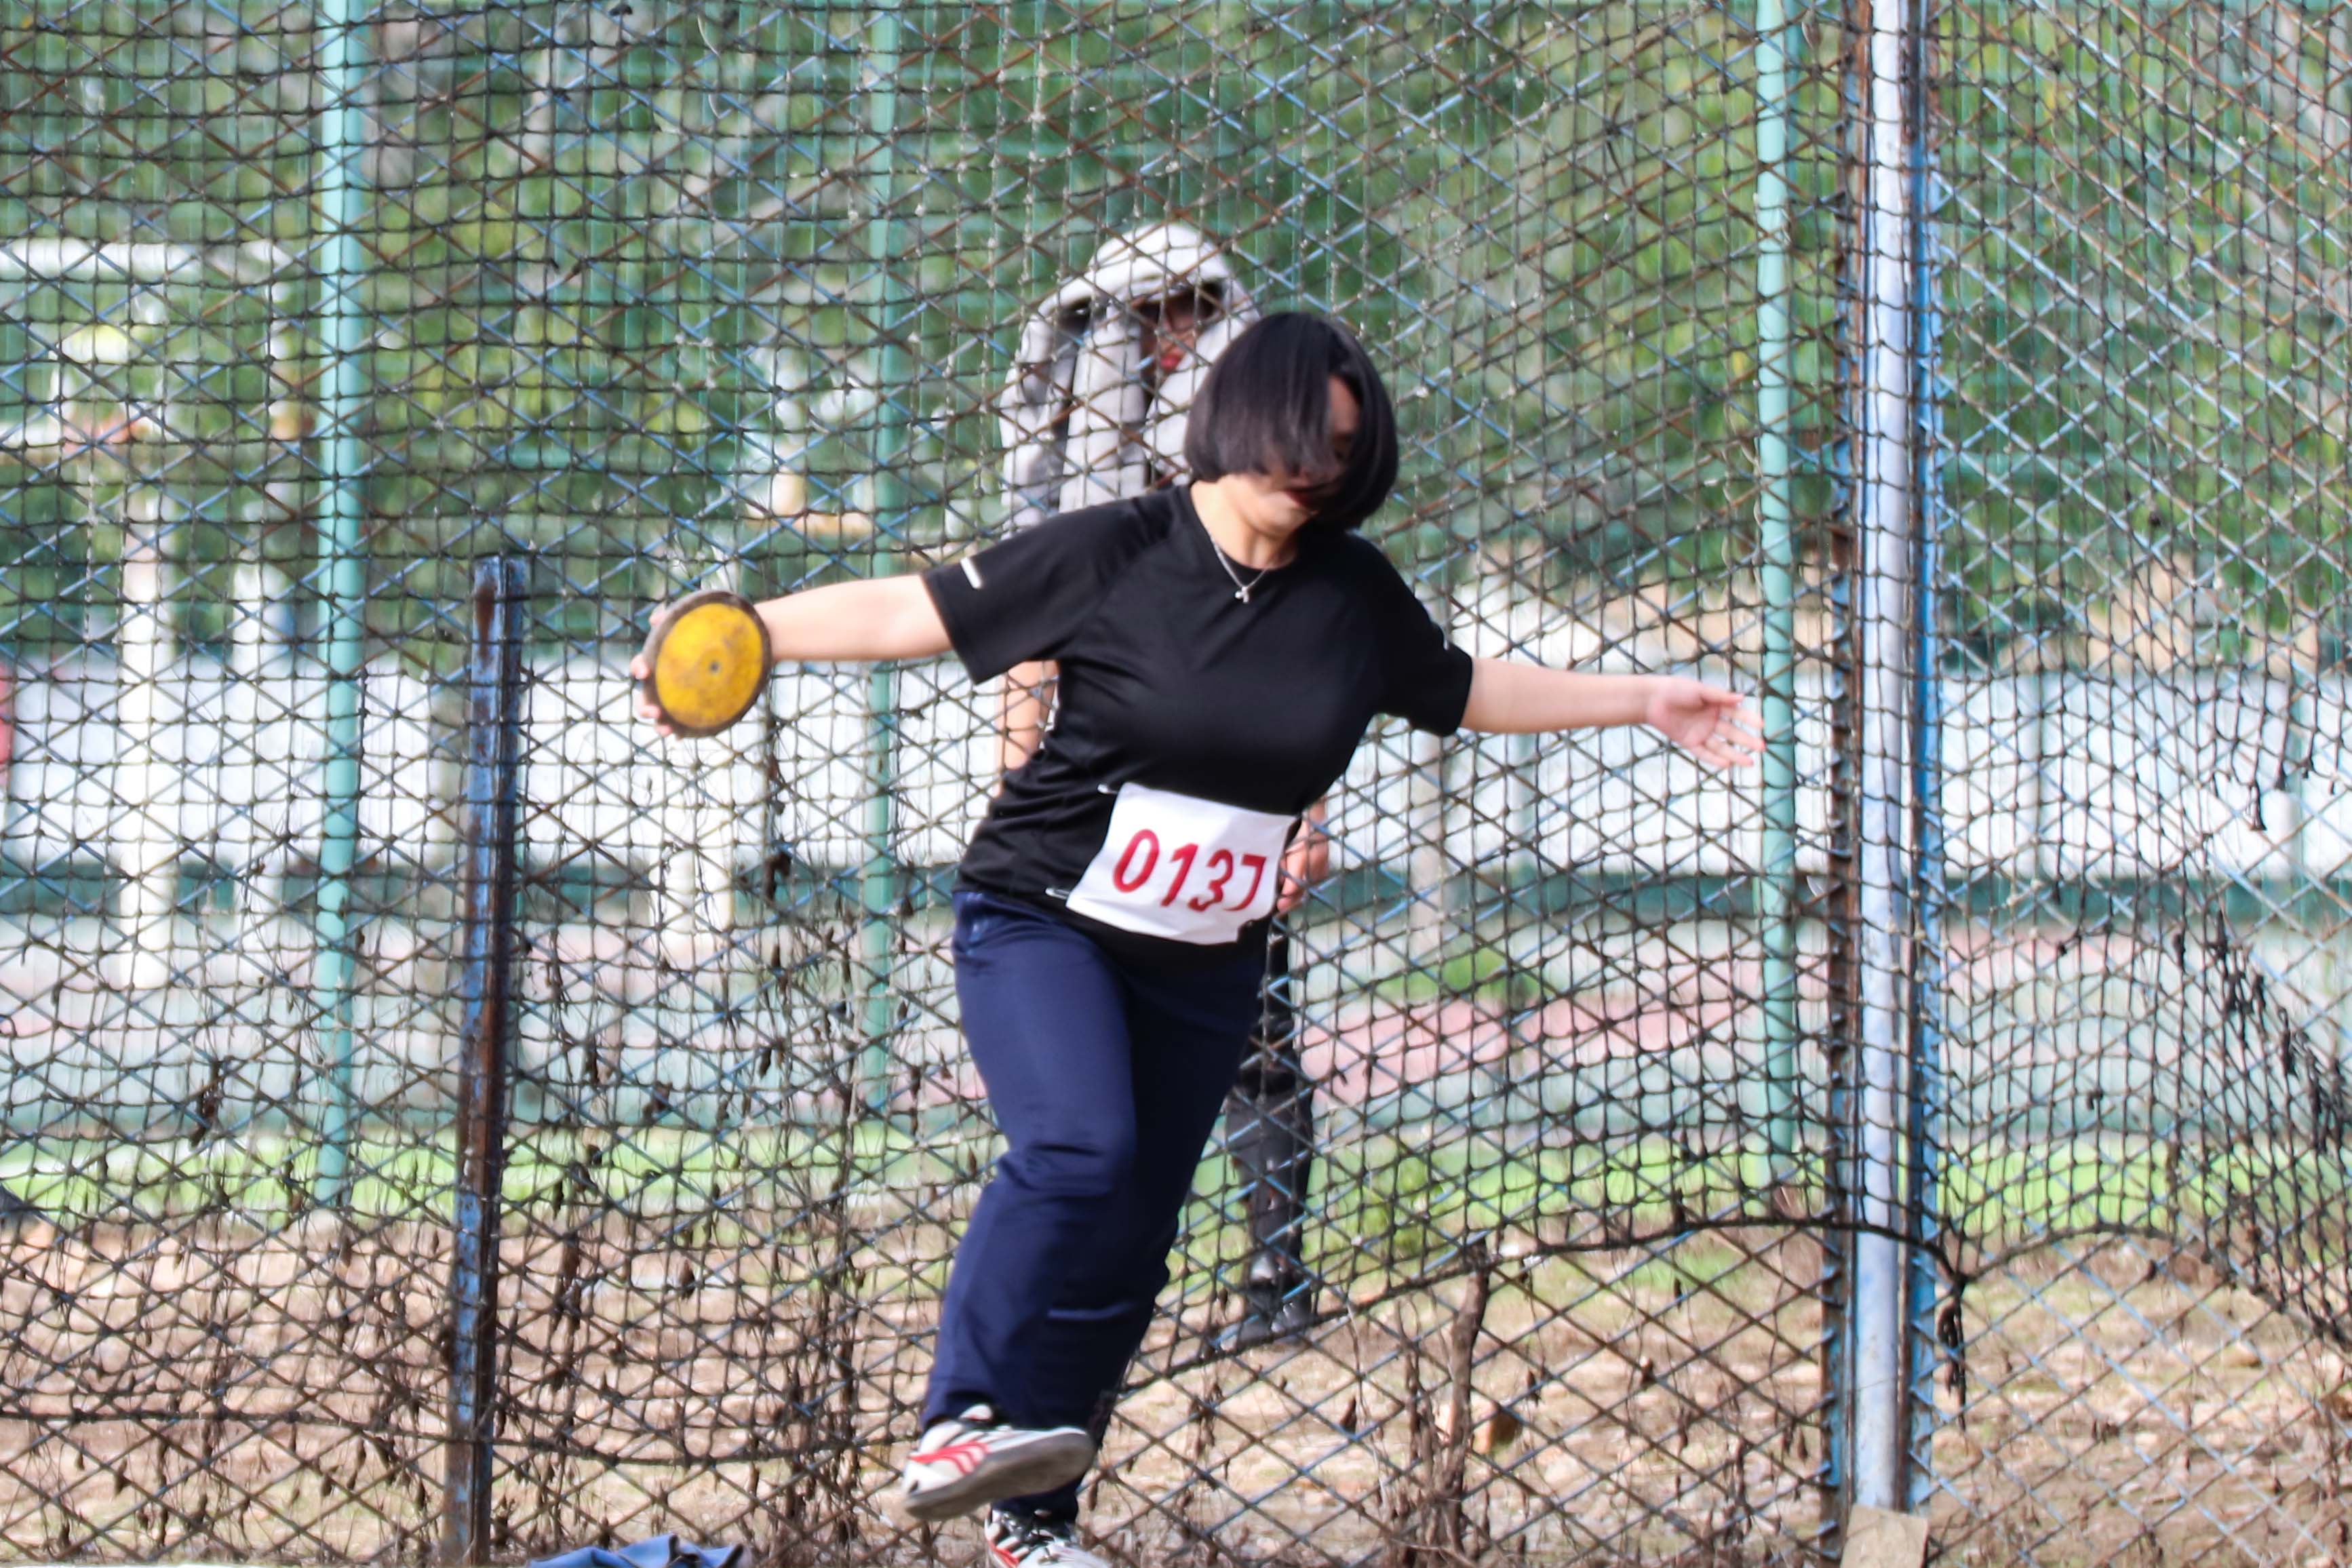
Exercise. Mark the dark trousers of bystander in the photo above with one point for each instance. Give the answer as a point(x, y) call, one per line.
point(1105, 1074)
point(1270, 1134)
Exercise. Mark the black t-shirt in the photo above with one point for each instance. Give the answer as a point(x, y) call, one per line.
point(1168, 680)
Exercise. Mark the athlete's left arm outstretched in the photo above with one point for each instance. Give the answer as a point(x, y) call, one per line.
point(1509, 697)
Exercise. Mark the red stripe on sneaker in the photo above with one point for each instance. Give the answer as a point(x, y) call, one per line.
point(1005, 1557)
point(965, 1455)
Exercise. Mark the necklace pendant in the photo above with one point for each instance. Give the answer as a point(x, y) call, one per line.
point(1242, 595)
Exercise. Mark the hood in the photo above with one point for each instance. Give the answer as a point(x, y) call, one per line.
point(1154, 261)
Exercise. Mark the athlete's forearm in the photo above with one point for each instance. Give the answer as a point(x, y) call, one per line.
point(862, 622)
point(1508, 698)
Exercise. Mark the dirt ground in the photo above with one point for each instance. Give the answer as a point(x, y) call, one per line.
point(218, 1394)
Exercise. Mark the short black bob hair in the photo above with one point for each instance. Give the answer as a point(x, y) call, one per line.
point(1266, 404)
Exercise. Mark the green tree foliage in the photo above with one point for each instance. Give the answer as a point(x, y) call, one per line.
point(2147, 300)
point(626, 264)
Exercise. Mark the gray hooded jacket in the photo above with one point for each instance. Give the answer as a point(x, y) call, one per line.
point(1080, 421)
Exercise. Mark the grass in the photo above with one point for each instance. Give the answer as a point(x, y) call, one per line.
point(1406, 1199)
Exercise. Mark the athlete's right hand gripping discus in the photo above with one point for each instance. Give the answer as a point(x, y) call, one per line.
point(707, 660)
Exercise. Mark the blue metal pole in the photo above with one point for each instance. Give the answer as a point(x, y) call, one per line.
point(1775, 376)
point(342, 574)
point(493, 768)
point(1885, 598)
point(878, 883)
point(1928, 1106)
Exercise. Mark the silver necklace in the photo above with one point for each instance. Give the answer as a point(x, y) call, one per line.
point(1241, 589)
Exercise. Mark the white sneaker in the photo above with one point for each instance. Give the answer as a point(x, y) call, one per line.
point(1028, 1540)
point(973, 1458)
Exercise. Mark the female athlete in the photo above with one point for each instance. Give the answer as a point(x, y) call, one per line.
point(1223, 648)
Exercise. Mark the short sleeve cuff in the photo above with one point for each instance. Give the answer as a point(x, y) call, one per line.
point(1440, 708)
point(952, 588)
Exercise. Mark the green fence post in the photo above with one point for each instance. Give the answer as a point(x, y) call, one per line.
point(342, 577)
point(1777, 882)
point(878, 882)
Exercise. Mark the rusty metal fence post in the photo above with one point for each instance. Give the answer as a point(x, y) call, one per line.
point(493, 750)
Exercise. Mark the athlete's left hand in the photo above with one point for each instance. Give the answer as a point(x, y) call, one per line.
point(1712, 724)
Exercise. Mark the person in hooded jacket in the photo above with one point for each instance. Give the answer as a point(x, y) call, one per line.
point(1102, 390)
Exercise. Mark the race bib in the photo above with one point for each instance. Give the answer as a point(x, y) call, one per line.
point(1178, 867)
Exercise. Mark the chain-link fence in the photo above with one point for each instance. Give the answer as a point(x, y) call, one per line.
point(2140, 998)
point(1949, 1115)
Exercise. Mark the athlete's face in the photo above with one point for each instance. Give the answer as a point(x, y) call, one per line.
point(1345, 417)
point(1255, 517)
point(1279, 504)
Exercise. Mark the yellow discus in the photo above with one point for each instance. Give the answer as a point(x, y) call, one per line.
point(709, 660)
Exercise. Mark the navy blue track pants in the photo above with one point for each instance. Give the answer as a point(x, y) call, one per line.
point(1106, 1075)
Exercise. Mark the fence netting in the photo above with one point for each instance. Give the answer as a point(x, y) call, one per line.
point(2138, 488)
point(1550, 1146)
